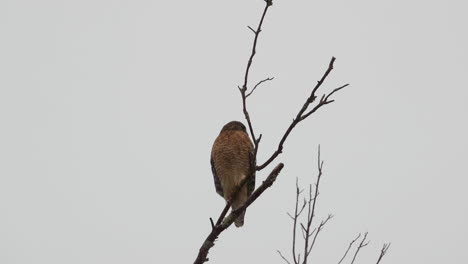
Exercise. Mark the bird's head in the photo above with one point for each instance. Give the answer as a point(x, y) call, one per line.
point(234, 126)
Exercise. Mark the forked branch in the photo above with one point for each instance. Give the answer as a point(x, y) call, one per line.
point(363, 243)
point(349, 247)
point(383, 251)
point(243, 89)
point(311, 212)
point(302, 114)
point(223, 221)
point(309, 234)
point(227, 221)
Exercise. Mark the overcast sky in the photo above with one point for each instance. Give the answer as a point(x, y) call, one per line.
point(108, 111)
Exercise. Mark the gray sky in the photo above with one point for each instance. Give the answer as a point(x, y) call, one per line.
point(108, 110)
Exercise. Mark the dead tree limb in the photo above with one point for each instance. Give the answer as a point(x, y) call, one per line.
point(320, 227)
point(227, 221)
point(243, 89)
point(349, 247)
point(283, 257)
point(310, 234)
point(224, 221)
point(302, 114)
point(258, 84)
point(361, 245)
point(311, 210)
point(383, 251)
point(296, 216)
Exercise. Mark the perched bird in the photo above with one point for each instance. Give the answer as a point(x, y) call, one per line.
point(231, 162)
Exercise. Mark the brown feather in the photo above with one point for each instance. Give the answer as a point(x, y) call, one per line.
point(231, 157)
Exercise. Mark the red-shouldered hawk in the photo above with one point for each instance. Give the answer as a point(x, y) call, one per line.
point(232, 161)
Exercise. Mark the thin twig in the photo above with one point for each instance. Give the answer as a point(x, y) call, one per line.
point(212, 223)
point(253, 30)
point(260, 82)
point(323, 101)
point(301, 116)
point(383, 251)
point(281, 255)
point(322, 224)
point(361, 245)
point(225, 209)
point(349, 247)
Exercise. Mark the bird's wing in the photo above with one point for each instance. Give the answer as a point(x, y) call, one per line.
point(251, 182)
point(217, 183)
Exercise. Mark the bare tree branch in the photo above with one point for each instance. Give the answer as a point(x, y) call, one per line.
point(233, 196)
point(260, 82)
point(383, 251)
point(322, 224)
point(265, 184)
point(218, 229)
point(297, 213)
point(244, 87)
point(311, 210)
point(244, 97)
point(310, 236)
point(361, 245)
point(349, 247)
point(223, 222)
point(301, 116)
point(281, 255)
point(323, 101)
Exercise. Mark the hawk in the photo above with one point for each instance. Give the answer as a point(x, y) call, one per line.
point(231, 162)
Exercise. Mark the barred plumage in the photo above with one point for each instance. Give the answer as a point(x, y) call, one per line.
point(232, 161)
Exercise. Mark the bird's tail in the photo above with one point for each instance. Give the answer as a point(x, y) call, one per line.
point(238, 202)
point(240, 220)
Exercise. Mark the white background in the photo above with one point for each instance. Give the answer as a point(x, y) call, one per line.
point(108, 110)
